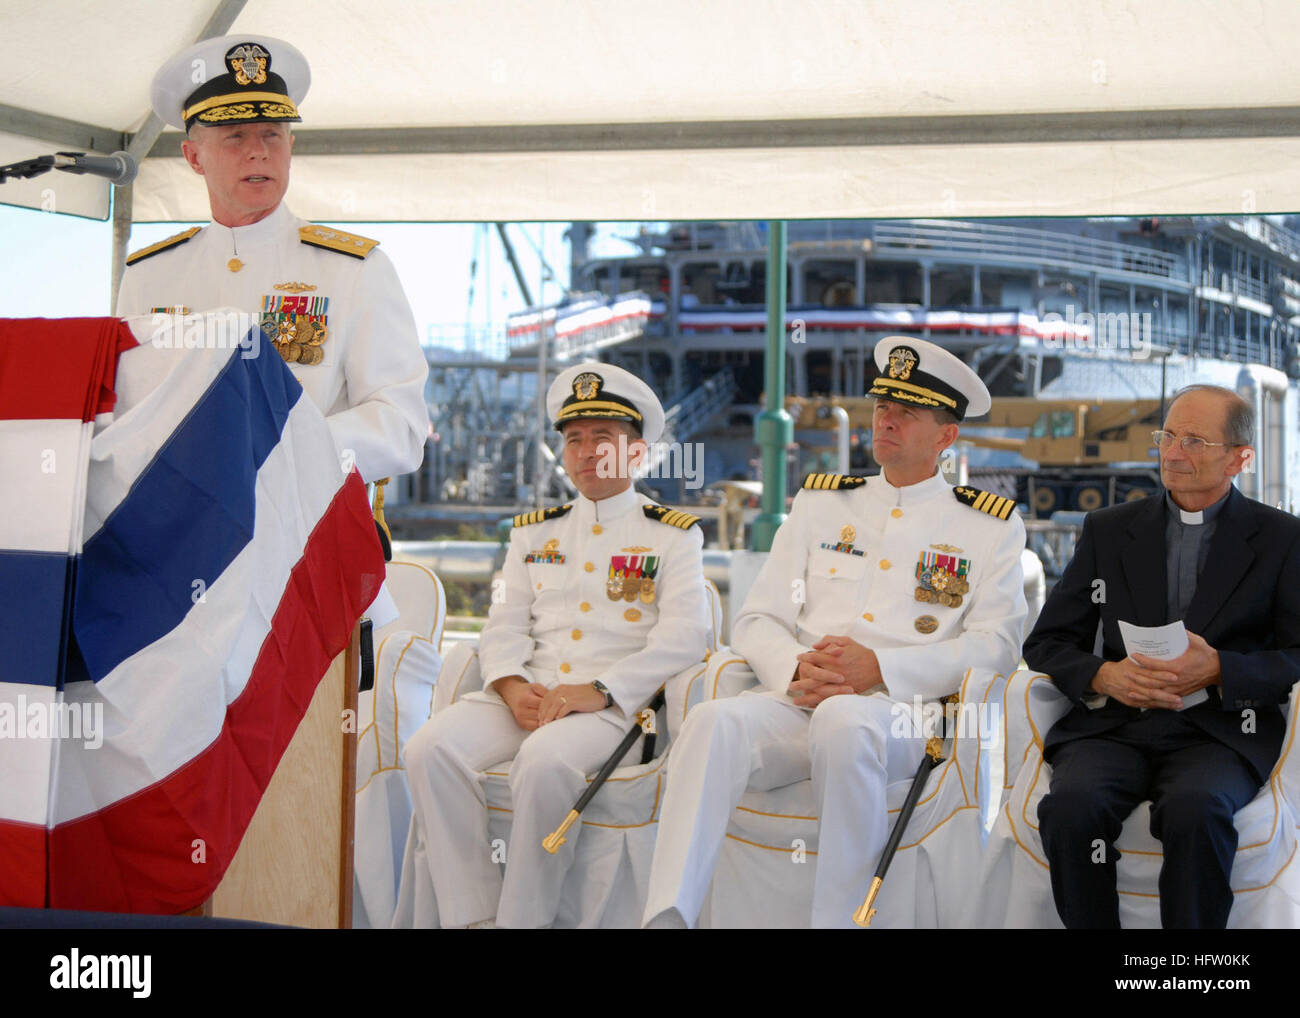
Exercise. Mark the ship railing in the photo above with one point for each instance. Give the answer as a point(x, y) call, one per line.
point(1279, 238)
point(1022, 245)
point(1247, 350)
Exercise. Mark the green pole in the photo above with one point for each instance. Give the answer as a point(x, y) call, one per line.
point(773, 430)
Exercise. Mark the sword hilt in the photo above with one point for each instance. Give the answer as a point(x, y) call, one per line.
point(555, 839)
point(862, 916)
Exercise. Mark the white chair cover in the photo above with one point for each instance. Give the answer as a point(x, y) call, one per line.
point(1015, 887)
point(607, 885)
point(407, 661)
point(768, 863)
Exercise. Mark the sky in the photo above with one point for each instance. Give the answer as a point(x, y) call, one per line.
point(57, 266)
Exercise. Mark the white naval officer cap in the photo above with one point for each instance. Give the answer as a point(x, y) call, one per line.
point(602, 391)
point(234, 79)
point(916, 372)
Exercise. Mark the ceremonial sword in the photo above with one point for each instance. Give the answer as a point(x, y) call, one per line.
point(932, 758)
point(645, 722)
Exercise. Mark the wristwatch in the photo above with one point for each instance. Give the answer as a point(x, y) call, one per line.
point(600, 687)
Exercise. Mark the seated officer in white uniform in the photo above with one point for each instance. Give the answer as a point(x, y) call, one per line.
point(604, 601)
point(331, 303)
point(877, 590)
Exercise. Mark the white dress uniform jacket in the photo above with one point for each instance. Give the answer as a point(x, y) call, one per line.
point(868, 592)
point(370, 382)
point(552, 622)
point(846, 562)
point(556, 623)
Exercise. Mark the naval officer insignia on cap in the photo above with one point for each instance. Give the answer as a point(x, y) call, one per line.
point(231, 80)
point(595, 391)
point(915, 372)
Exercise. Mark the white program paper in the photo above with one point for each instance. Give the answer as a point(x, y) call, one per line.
point(1162, 643)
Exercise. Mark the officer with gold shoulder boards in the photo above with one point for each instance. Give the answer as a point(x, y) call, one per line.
point(877, 590)
point(331, 303)
point(604, 601)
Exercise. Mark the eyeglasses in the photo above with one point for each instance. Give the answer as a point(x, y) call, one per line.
point(1190, 443)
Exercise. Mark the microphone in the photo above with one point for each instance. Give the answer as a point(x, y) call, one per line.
point(120, 168)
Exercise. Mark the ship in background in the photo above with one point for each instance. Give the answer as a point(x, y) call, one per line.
point(1081, 328)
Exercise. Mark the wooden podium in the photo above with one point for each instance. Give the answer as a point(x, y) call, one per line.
point(294, 865)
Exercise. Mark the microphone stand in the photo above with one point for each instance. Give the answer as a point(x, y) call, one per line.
point(27, 168)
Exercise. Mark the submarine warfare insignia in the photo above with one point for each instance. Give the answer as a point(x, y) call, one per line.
point(297, 326)
point(942, 579)
point(845, 544)
point(549, 555)
point(632, 576)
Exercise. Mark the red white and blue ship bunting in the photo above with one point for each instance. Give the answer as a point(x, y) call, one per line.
point(225, 561)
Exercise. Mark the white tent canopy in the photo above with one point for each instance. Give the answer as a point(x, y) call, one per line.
point(586, 109)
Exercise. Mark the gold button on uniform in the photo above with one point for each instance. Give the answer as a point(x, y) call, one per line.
point(896, 513)
point(596, 528)
point(577, 634)
point(868, 616)
point(884, 563)
point(539, 586)
point(589, 566)
point(585, 606)
point(565, 668)
point(832, 570)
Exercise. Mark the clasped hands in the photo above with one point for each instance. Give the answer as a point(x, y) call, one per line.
point(835, 666)
point(1142, 681)
point(533, 705)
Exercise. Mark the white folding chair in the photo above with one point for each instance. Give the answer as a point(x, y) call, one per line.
point(1015, 886)
point(766, 870)
point(407, 661)
point(608, 881)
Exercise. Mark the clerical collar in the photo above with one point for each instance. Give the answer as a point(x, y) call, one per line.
point(1197, 518)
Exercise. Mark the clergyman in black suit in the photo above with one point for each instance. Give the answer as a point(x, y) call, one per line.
point(1229, 567)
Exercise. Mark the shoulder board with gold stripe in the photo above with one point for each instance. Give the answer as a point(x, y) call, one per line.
point(832, 482)
point(673, 517)
point(337, 240)
point(985, 501)
point(162, 245)
point(537, 515)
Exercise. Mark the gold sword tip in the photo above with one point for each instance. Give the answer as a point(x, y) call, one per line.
point(555, 839)
point(862, 917)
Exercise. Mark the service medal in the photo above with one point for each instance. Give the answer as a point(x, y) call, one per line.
point(647, 590)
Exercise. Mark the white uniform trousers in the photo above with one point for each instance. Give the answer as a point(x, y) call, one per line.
point(444, 764)
point(761, 741)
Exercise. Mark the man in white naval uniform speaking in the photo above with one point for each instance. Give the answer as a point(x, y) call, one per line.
point(877, 590)
point(332, 305)
point(604, 601)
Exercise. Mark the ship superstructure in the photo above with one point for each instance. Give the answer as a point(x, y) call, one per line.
point(1102, 310)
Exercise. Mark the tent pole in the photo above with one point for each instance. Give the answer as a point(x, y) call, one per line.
point(123, 200)
point(773, 430)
